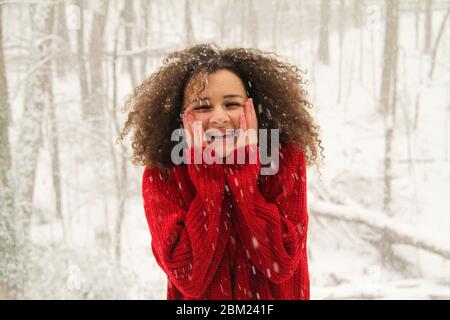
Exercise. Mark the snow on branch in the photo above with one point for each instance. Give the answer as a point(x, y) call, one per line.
point(400, 232)
point(148, 51)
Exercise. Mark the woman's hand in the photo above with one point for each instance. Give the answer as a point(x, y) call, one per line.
point(248, 126)
point(245, 136)
point(248, 129)
point(193, 130)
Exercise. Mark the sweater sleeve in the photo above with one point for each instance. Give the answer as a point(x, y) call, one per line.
point(188, 243)
point(273, 233)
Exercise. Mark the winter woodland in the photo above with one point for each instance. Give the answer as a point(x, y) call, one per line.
point(72, 224)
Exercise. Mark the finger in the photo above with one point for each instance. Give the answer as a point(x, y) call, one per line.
point(248, 114)
point(187, 129)
point(242, 131)
point(252, 131)
point(196, 134)
point(199, 134)
point(243, 122)
point(254, 114)
point(203, 139)
point(193, 133)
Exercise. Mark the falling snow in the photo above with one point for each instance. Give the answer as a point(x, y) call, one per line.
point(342, 261)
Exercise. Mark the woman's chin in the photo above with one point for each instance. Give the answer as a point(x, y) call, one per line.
point(222, 147)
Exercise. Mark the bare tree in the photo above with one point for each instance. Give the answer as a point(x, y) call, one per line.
point(417, 21)
point(82, 72)
point(357, 13)
point(438, 39)
point(29, 136)
point(4, 99)
point(275, 25)
point(428, 26)
point(252, 23)
point(388, 100)
point(388, 86)
point(300, 8)
point(188, 23)
point(144, 34)
point(249, 23)
point(35, 103)
point(121, 174)
point(95, 111)
point(341, 46)
point(243, 9)
point(324, 51)
point(129, 21)
point(8, 243)
point(224, 15)
point(54, 145)
point(63, 39)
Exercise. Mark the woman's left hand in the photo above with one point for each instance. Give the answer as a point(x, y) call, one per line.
point(247, 132)
point(248, 126)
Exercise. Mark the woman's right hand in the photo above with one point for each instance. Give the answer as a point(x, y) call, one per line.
point(193, 130)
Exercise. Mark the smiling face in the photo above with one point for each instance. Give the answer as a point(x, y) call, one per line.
point(220, 104)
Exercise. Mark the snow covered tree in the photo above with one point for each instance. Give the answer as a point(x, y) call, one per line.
point(8, 257)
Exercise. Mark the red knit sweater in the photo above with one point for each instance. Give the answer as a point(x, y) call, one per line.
point(222, 231)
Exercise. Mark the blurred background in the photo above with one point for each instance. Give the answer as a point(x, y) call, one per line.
point(72, 221)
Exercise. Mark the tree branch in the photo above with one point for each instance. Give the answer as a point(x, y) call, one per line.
point(400, 232)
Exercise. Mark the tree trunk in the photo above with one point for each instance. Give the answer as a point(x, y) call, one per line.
point(435, 48)
point(417, 21)
point(61, 31)
point(324, 51)
point(223, 18)
point(428, 26)
point(95, 111)
point(447, 114)
point(8, 244)
point(120, 179)
point(361, 53)
point(374, 72)
point(388, 100)
point(129, 20)
point(145, 33)
point(357, 13)
point(252, 24)
point(29, 136)
point(275, 26)
point(84, 87)
point(35, 104)
point(242, 9)
point(341, 46)
point(188, 23)
point(4, 99)
point(54, 154)
point(388, 90)
point(301, 20)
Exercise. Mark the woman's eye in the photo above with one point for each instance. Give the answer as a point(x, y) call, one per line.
point(207, 107)
point(201, 108)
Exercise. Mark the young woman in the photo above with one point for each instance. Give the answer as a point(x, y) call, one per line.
point(224, 230)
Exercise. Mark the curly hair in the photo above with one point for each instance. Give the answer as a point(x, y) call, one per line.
point(276, 87)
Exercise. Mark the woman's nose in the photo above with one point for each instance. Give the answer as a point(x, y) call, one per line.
point(219, 116)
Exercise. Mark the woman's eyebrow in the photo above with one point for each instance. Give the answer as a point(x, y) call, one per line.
point(233, 96)
point(208, 98)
